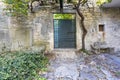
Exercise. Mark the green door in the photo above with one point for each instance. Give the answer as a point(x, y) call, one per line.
point(64, 31)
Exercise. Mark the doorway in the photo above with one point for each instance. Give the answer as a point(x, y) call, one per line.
point(64, 30)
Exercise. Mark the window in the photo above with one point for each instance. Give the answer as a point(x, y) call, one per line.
point(101, 27)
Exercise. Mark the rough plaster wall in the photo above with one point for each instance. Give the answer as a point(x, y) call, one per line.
point(91, 26)
point(4, 30)
point(42, 27)
point(35, 30)
point(111, 19)
point(13, 33)
point(20, 38)
point(78, 33)
point(24, 32)
point(20, 33)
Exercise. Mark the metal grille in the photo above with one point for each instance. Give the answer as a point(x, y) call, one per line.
point(64, 33)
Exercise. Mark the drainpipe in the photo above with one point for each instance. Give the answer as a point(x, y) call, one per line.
point(61, 5)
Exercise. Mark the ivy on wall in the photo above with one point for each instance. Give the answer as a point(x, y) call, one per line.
point(100, 2)
point(64, 16)
point(16, 7)
point(20, 7)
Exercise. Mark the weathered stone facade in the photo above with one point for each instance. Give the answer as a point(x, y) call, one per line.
point(38, 29)
point(4, 31)
point(110, 18)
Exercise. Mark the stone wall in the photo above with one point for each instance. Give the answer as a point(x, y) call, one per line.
point(19, 32)
point(110, 36)
point(4, 30)
point(112, 29)
point(37, 28)
point(32, 31)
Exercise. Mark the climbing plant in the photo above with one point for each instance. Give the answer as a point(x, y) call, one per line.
point(100, 2)
point(64, 16)
point(16, 7)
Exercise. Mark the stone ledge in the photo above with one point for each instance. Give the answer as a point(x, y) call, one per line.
point(65, 53)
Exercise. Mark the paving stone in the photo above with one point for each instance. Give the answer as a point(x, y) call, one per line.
point(87, 76)
point(99, 67)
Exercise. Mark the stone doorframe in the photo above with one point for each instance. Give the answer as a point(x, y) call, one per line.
point(78, 30)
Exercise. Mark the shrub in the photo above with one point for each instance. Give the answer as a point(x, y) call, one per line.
point(22, 65)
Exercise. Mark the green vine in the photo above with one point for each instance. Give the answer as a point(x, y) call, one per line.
point(16, 7)
point(22, 65)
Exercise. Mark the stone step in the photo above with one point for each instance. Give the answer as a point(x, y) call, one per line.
point(65, 53)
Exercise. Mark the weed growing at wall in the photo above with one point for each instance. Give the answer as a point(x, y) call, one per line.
point(22, 65)
point(85, 51)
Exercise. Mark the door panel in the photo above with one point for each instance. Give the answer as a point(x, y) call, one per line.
point(64, 33)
